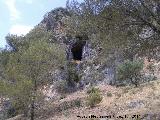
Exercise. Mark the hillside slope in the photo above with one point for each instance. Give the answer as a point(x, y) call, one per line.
point(143, 101)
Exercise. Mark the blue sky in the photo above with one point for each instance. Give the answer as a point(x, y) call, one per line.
point(20, 16)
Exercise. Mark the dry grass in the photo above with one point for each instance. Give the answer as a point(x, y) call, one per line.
point(123, 101)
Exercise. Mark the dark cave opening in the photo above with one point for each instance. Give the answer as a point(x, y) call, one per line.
point(77, 50)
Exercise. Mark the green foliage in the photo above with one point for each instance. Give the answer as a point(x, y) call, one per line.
point(26, 68)
point(16, 42)
point(114, 25)
point(151, 68)
point(72, 73)
point(41, 57)
point(94, 18)
point(4, 57)
point(39, 33)
point(130, 70)
point(69, 84)
point(77, 103)
point(109, 94)
point(94, 97)
point(92, 90)
point(19, 95)
point(117, 25)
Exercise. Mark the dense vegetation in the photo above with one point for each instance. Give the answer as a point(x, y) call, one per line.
point(129, 28)
point(26, 66)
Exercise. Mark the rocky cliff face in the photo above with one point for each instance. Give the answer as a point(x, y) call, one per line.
point(80, 50)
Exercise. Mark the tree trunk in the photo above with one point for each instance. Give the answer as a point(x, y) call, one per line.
point(33, 101)
point(32, 110)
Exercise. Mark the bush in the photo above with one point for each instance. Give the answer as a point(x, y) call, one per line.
point(109, 94)
point(94, 97)
point(77, 103)
point(130, 70)
point(151, 68)
point(93, 90)
point(73, 76)
point(69, 84)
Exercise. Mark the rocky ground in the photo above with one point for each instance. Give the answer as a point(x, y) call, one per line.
point(127, 103)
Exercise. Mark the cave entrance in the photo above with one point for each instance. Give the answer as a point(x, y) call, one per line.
point(77, 50)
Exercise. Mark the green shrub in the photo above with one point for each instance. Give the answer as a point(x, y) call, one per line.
point(151, 68)
point(69, 84)
point(94, 97)
point(130, 70)
point(93, 90)
point(109, 94)
point(73, 76)
point(70, 104)
point(77, 103)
